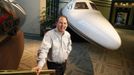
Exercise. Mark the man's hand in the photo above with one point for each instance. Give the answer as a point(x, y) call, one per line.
point(37, 69)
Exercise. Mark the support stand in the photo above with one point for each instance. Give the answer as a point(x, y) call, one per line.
point(11, 50)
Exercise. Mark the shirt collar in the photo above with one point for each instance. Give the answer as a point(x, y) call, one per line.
point(59, 32)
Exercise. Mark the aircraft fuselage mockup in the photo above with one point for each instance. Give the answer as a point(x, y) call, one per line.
point(88, 22)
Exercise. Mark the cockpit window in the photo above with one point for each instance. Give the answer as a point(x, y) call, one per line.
point(70, 6)
point(81, 5)
point(93, 6)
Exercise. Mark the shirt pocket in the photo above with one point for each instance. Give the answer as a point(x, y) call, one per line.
point(56, 44)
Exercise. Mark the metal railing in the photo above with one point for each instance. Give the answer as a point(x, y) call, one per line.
point(26, 72)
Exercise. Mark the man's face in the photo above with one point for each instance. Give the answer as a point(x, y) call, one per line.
point(62, 24)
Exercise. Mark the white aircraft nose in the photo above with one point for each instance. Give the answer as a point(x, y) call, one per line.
point(101, 31)
point(90, 24)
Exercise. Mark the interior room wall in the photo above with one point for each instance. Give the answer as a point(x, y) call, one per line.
point(104, 6)
point(32, 22)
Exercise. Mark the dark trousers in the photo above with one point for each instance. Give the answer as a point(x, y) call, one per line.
point(60, 68)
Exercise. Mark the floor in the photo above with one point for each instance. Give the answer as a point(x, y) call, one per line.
point(85, 55)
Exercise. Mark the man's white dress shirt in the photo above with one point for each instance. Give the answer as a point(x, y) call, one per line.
point(55, 47)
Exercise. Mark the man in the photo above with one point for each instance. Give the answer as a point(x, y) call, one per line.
point(55, 48)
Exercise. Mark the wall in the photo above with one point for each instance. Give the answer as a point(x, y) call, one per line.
point(31, 24)
point(104, 6)
point(131, 17)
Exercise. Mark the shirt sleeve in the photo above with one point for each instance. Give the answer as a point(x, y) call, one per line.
point(69, 45)
point(43, 50)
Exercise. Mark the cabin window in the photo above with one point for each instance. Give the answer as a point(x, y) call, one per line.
point(70, 6)
point(93, 6)
point(81, 5)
